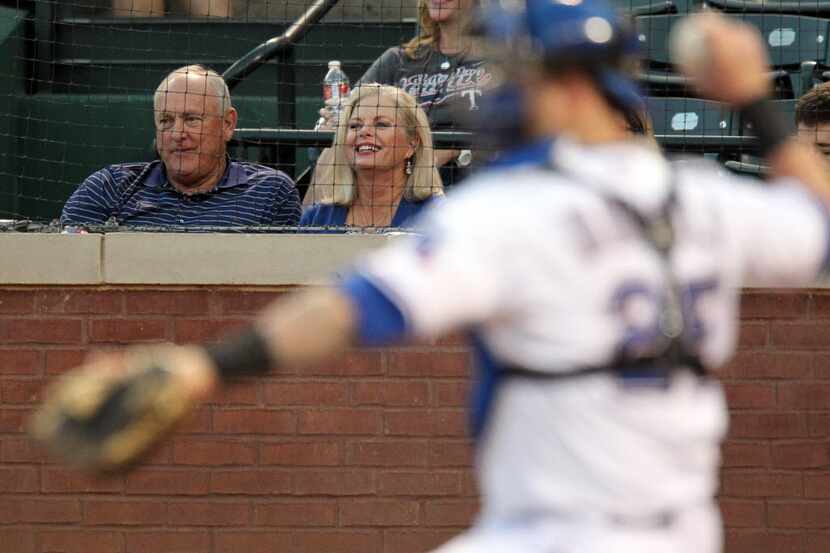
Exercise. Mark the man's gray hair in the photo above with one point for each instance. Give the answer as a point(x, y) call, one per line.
point(215, 84)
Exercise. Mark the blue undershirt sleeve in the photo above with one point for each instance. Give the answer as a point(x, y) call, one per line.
point(380, 321)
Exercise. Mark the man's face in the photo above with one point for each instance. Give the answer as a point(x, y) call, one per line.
point(818, 136)
point(191, 131)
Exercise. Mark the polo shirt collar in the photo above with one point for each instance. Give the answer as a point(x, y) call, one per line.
point(234, 175)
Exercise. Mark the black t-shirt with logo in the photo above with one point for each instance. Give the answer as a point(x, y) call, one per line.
point(446, 87)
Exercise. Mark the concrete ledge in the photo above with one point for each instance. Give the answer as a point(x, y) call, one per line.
point(258, 259)
point(50, 258)
point(184, 259)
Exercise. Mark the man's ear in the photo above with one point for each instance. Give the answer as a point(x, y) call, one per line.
point(229, 123)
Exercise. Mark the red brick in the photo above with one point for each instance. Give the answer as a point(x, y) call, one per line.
point(748, 485)
point(379, 513)
point(303, 454)
point(208, 513)
point(329, 482)
point(817, 543)
point(450, 513)
point(420, 364)
point(390, 392)
point(17, 302)
point(773, 305)
point(444, 422)
point(127, 330)
point(124, 512)
point(387, 453)
point(48, 331)
point(469, 484)
point(340, 421)
point(167, 302)
point(750, 395)
point(266, 541)
point(237, 302)
point(414, 541)
point(821, 365)
point(18, 479)
point(768, 425)
point(800, 455)
point(61, 480)
point(820, 304)
point(20, 361)
point(18, 540)
point(61, 360)
point(80, 302)
point(759, 364)
point(352, 363)
point(53, 511)
point(337, 542)
point(20, 391)
point(800, 335)
point(753, 335)
point(800, 514)
point(739, 513)
point(754, 541)
point(204, 330)
point(196, 422)
point(242, 392)
point(420, 483)
point(213, 452)
point(168, 542)
point(320, 393)
point(803, 395)
point(817, 486)
point(251, 482)
point(818, 424)
point(254, 421)
point(13, 420)
point(155, 481)
point(451, 393)
point(19, 450)
point(748, 455)
point(159, 454)
point(296, 513)
point(81, 541)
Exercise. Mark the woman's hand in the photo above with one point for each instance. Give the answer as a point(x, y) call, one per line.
point(442, 157)
point(329, 117)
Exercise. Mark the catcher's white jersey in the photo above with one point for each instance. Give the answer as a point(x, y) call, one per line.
point(551, 276)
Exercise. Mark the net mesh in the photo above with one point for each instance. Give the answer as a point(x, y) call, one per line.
point(78, 79)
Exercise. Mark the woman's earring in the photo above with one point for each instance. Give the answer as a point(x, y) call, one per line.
point(408, 166)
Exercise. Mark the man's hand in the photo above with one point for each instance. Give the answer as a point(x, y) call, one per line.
point(107, 413)
point(725, 58)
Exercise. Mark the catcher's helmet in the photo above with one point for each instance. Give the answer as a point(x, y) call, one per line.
point(557, 36)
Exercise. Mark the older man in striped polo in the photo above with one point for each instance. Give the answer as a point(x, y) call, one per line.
point(194, 183)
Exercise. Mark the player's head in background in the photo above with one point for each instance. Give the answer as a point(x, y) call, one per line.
point(812, 118)
point(194, 120)
point(565, 68)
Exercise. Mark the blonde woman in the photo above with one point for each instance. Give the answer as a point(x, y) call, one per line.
point(381, 171)
point(441, 70)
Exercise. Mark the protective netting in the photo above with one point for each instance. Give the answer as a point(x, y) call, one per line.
point(78, 78)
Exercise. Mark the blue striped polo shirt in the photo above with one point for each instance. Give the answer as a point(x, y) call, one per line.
point(139, 194)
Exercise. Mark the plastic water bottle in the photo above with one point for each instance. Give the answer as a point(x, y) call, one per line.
point(335, 86)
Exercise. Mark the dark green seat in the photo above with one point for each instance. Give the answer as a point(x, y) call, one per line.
point(791, 40)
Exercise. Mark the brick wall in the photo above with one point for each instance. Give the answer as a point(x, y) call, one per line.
point(366, 454)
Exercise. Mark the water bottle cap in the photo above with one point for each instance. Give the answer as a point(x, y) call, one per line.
point(334, 63)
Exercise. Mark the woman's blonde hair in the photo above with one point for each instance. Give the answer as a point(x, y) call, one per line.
point(428, 32)
point(335, 181)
